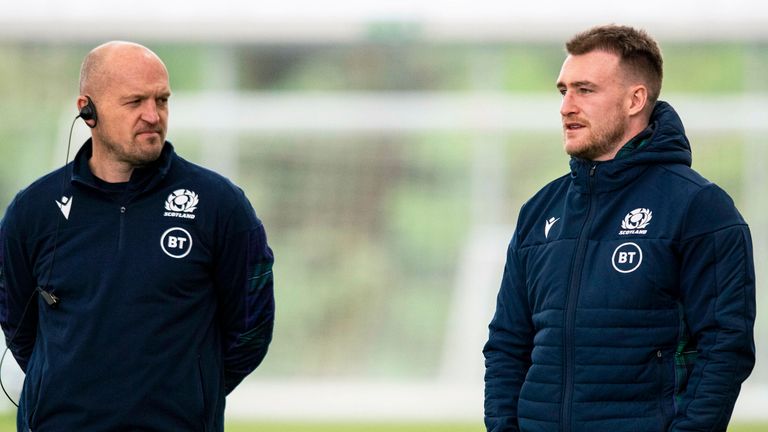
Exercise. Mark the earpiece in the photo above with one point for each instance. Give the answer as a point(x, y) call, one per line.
point(88, 112)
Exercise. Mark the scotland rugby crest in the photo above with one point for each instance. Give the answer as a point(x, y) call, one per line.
point(636, 221)
point(181, 203)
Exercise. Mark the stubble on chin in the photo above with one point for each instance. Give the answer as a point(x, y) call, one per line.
point(147, 155)
point(137, 154)
point(589, 151)
point(596, 146)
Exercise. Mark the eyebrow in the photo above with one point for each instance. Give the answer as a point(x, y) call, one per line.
point(577, 84)
point(143, 96)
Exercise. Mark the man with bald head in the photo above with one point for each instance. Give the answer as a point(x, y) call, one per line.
point(136, 287)
point(124, 76)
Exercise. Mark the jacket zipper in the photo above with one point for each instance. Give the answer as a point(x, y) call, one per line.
point(570, 311)
point(122, 226)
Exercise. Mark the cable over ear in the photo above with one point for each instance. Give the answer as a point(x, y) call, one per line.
point(88, 112)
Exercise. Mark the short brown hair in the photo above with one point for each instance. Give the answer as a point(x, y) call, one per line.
point(637, 50)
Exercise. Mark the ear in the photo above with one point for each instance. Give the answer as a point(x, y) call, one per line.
point(82, 101)
point(638, 99)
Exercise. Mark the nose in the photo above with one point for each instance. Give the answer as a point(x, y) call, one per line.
point(568, 105)
point(150, 113)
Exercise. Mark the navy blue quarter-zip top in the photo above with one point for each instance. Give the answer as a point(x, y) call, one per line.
point(166, 296)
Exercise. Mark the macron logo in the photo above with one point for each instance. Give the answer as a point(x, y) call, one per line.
point(65, 206)
point(548, 224)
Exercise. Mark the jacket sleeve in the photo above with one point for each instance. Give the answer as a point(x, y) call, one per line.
point(18, 311)
point(243, 277)
point(508, 350)
point(717, 285)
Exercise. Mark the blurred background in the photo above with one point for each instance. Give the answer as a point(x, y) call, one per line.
point(387, 146)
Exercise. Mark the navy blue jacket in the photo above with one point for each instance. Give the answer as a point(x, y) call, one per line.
point(628, 299)
point(165, 289)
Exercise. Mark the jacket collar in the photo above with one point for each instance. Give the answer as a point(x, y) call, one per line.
point(665, 143)
point(142, 179)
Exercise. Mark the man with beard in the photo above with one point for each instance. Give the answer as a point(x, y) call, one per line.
point(136, 288)
point(628, 298)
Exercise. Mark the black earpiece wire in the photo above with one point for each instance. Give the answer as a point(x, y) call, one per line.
point(50, 269)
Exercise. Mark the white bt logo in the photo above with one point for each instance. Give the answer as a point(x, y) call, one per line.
point(627, 257)
point(176, 242)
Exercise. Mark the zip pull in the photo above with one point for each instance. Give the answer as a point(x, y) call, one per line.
point(592, 170)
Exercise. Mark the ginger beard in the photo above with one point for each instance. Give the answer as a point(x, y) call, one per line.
point(592, 139)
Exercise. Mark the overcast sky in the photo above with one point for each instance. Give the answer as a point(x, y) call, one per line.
point(312, 18)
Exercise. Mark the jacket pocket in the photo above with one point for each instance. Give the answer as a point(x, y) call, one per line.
point(665, 395)
point(31, 400)
point(684, 361)
point(202, 393)
point(685, 357)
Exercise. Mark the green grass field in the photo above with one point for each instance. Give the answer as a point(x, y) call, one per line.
point(7, 424)
point(351, 427)
point(399, 427)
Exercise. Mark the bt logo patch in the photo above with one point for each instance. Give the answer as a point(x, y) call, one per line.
point(176, 242)
point(627, 257)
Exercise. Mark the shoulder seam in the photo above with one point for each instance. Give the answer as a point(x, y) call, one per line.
point(664, 167)
point(721, 229)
